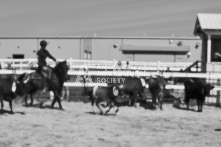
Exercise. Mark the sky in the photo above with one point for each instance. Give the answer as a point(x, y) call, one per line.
point(150, 18)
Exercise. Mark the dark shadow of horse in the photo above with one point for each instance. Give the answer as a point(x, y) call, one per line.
point(147, 105)
point(10, 112)
point(184, 108)
point(94, 113)
point(41, 106)
point(29, 84)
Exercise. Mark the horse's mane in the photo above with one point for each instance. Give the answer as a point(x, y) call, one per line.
point(59, 69)
point(21, 77)
point(58, 66)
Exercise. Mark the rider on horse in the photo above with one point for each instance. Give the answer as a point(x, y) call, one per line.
point(43, 69)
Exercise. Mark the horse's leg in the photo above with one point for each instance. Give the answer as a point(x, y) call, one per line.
point(59, 99)
point(54, 99)
point(2, 103)
point(59, 102)
point(187, 99)
point(41, 101)
point(160, 101)
point(31, 98)
point(26, 100)
point(154, 100)
point(135, 99)
point(131, 100)
point(200, 104)
point(10, 105)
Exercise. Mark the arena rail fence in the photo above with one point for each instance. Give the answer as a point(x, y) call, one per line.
point(111, 68)
point(99, 64)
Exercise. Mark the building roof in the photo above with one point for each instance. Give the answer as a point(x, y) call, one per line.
point(206, 22)
point(98, 37)
point(156, 48)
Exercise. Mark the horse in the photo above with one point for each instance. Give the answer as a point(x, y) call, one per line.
point(29, 84)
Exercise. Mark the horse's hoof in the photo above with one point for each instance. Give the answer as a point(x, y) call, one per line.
point(116, 112)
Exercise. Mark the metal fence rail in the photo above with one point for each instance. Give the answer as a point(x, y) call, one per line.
point(111, 68)
point(21, 64)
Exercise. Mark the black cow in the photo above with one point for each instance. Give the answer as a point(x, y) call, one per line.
point(196, 90)
point(107, 94)
point(7, 92)
point(134, 87)
point(157, 89)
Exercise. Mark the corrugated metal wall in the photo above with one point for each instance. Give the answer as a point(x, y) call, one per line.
point(8, 47)
point(100, 48)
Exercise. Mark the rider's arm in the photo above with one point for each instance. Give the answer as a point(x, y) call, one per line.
point(50, 56)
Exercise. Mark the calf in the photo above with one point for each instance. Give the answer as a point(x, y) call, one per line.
point(134, 87)
point(157, 90)
point(7, 92)
point(104, 94)
point(196, 90)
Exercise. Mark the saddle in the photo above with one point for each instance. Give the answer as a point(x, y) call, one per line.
point(36, 76)
point(40, 73)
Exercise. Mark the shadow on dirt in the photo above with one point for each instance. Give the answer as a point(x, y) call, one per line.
point(41, 106)
point(9, 112)
point(93, 113)
point(184, 108)
point(146, 105)
point(219, 129)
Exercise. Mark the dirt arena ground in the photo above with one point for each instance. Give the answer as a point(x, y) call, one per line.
point(131, 127)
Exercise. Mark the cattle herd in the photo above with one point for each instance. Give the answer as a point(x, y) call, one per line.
point(132, 88)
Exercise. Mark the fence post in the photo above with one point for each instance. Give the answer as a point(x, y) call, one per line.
point(158, 65)
point(70, 63)
point(218, 94)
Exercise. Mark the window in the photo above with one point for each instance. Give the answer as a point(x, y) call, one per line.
point(89, 56)
point(215, 47)
point(85, 55)
point(18, 56)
